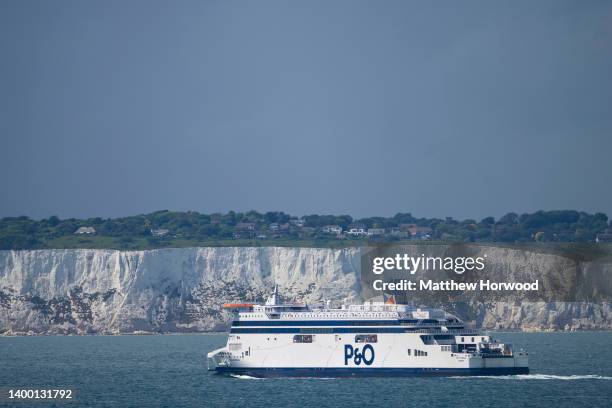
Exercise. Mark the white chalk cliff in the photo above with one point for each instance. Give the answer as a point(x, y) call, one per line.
point(106, 291)
point(84, 291)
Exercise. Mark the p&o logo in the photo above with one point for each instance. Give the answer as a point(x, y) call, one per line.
point(366, 355)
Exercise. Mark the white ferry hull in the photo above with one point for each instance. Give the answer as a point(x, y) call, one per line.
point(373, 339)
point(337, 356)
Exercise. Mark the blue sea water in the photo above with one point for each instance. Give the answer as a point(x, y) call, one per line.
point(567, 370)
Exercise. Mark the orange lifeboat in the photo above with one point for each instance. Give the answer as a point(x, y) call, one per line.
point(238, 305)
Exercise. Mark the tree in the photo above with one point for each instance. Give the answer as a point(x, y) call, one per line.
point(488, 221)
point(403, 218)
point(509, 219)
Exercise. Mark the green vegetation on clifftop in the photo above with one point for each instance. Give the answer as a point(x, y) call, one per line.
point(163, 229)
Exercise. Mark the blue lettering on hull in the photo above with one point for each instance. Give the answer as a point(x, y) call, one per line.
point(358, 356)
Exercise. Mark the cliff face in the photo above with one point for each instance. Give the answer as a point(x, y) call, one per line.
point(101, 291)
point(180, 290)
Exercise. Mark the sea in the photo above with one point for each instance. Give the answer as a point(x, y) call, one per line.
point(567, 370)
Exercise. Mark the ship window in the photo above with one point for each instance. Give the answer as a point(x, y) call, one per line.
point(472, 339)
point(302, 338)
point(366, 338)
point(463, 339)
point(408, 351)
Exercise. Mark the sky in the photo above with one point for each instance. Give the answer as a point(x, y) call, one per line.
point(463, 109)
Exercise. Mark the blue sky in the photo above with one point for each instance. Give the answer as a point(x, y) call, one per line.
point(463, 109)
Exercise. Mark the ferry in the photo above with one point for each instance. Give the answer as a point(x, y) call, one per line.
point(279, 339)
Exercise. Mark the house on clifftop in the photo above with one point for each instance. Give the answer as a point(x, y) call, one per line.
point(85, 231)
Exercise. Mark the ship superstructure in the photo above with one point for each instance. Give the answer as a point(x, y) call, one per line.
point(375, 338)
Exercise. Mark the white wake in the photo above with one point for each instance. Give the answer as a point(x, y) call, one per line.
point(244, 377)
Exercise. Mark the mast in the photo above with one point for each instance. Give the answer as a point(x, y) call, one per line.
point(274, 299)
